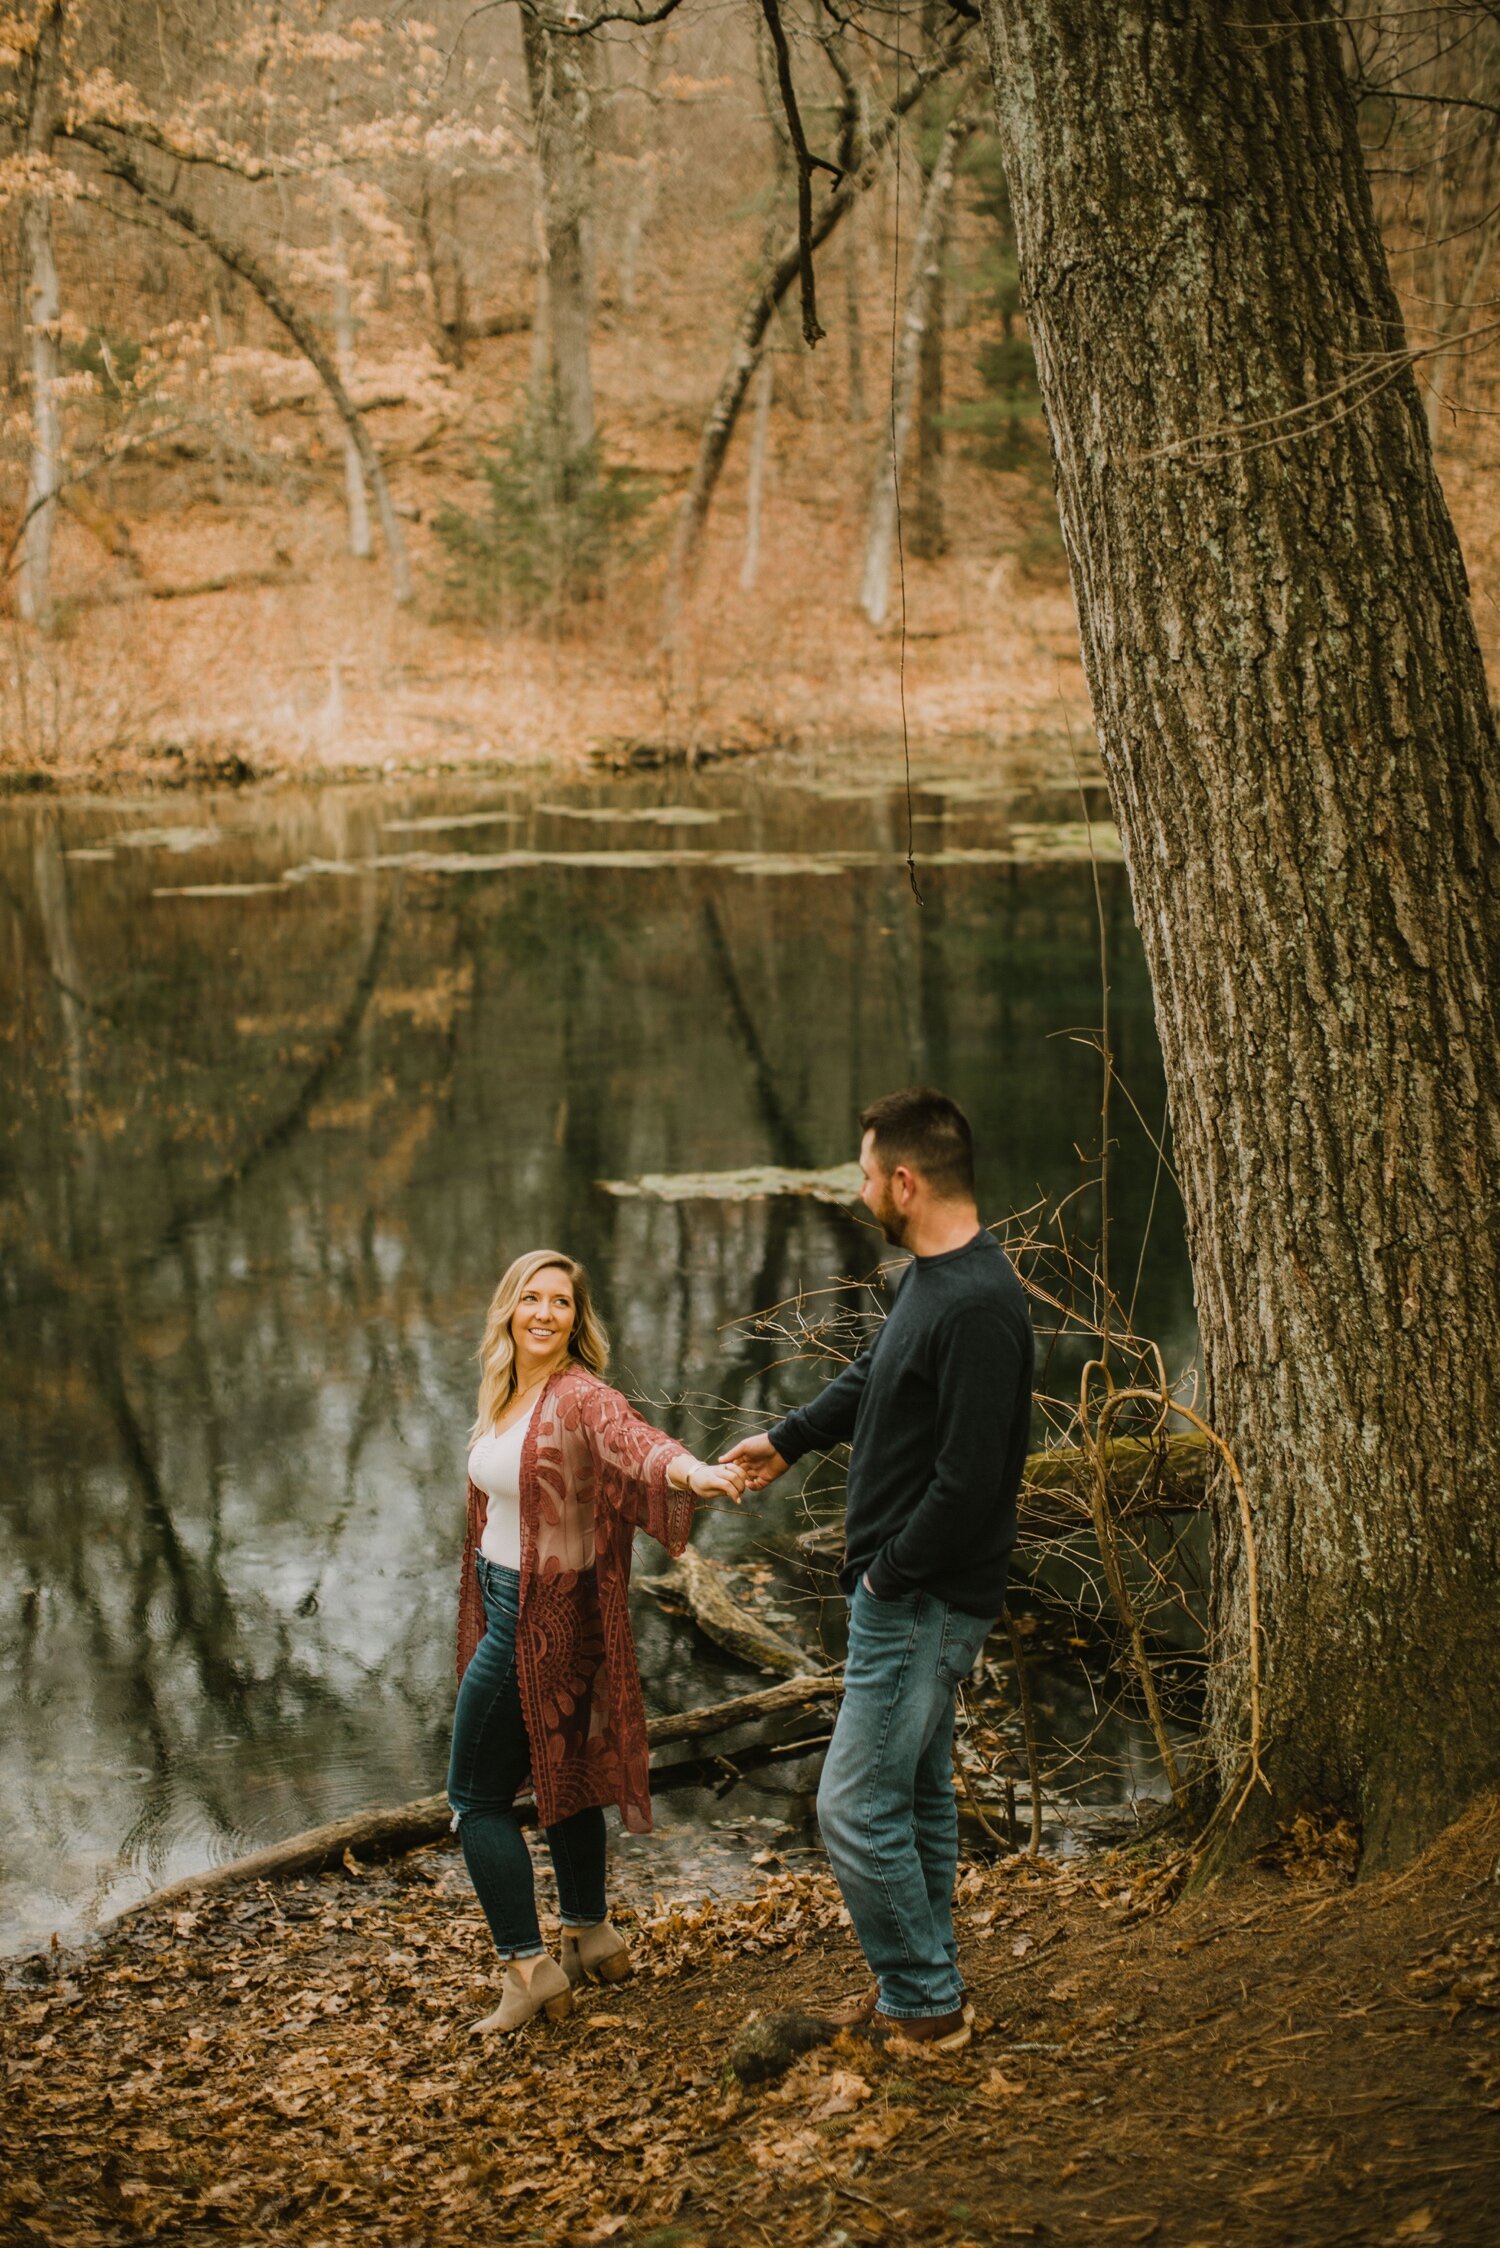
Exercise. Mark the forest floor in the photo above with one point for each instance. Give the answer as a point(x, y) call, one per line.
point(1285, 2059)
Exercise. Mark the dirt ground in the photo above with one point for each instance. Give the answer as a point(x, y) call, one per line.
point(1286, 2059)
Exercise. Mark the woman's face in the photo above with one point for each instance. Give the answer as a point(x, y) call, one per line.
point(542, 1322)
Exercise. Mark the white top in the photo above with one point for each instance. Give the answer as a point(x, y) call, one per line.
point(495, 1466)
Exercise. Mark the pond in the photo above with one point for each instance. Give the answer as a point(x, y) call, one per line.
point(290, 1076)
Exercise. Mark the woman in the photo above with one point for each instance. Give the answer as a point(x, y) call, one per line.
point(562, 1472)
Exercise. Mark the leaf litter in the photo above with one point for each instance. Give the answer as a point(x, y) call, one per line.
point(292, 2063)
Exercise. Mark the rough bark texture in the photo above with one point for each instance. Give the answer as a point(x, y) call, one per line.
point(890, 452)
point(1294, 719)
point(43, 311)
point(561, 106)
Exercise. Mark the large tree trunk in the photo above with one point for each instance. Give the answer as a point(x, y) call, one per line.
point(890, 448)
point(43, 311)
point(1293, 714)
point(561, 108)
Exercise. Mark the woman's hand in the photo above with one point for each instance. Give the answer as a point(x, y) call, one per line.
point(757, 1460)
point(709, 1480)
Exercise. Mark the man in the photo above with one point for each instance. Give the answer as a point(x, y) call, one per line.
point(937, 1411)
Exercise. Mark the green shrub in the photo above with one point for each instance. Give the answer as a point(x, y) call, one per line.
point(555, 520)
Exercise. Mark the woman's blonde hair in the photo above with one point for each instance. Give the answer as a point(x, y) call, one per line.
point(588, 1343)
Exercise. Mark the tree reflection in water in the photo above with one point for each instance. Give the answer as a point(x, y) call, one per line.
point(265, 1155)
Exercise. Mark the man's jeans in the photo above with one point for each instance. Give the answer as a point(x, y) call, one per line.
point(885, 1803)
point(491, 1756)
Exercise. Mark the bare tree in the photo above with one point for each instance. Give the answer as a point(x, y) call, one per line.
point(557, 73)
point(356, 498)
point(43, 312)
point(759, 437)
point(239, 259)
point(756, 317)
point(890, 449)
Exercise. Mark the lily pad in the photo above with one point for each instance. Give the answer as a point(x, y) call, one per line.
point(840, 1184)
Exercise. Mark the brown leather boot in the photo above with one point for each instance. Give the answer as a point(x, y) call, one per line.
point(854, 2012)
point(531, 1987)
point(947, 2033)
point(595, 1955)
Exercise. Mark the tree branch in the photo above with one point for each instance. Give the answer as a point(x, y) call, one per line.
point(242, 261)
point(812, 331)
point(756, 318)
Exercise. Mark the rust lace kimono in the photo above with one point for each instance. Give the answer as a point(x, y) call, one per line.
point(592, 1474)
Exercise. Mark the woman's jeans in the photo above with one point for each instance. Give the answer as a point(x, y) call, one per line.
point(490, 1758)
point(885, 1802)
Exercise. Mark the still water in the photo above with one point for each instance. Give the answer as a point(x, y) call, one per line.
point(289, 1077)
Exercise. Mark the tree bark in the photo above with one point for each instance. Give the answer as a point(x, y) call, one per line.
point(890, 446)
point(561, 108)
point(43, 311)
point(929, 529)
point(304, 335)
point(356, 498)
point(854, 334)
point(1293, 714)
point(760, 310)
point(759, 438)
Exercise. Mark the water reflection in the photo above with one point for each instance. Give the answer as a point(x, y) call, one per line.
point(265, 1144)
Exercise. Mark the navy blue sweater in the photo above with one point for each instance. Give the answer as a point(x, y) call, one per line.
point(938, 1413)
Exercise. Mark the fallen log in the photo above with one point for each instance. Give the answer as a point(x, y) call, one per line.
point(699, 1587)
point(1144, 1479)
point(386, 1834)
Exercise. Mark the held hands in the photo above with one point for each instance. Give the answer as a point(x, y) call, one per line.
point(756, 1460)
point(707, 1479)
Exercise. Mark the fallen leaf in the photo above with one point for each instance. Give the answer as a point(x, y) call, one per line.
point(846, 2092)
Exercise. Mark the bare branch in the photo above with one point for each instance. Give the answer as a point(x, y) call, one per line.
point(243, 261)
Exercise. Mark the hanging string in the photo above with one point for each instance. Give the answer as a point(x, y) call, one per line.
point(911, 829)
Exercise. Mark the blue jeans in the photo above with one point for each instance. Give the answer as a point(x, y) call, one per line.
point(885, 1801)
point(491, 1756)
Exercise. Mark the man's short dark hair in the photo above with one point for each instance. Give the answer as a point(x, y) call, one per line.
point(929, 1133)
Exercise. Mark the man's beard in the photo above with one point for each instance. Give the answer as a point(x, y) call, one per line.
point(891, 1223)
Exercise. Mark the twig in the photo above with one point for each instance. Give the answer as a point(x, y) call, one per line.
point(812, 332)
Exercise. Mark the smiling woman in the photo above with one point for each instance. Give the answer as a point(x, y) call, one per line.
point(562, 1472)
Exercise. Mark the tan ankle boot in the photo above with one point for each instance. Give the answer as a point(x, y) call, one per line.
point(531, 1987)
point(595, 1955)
